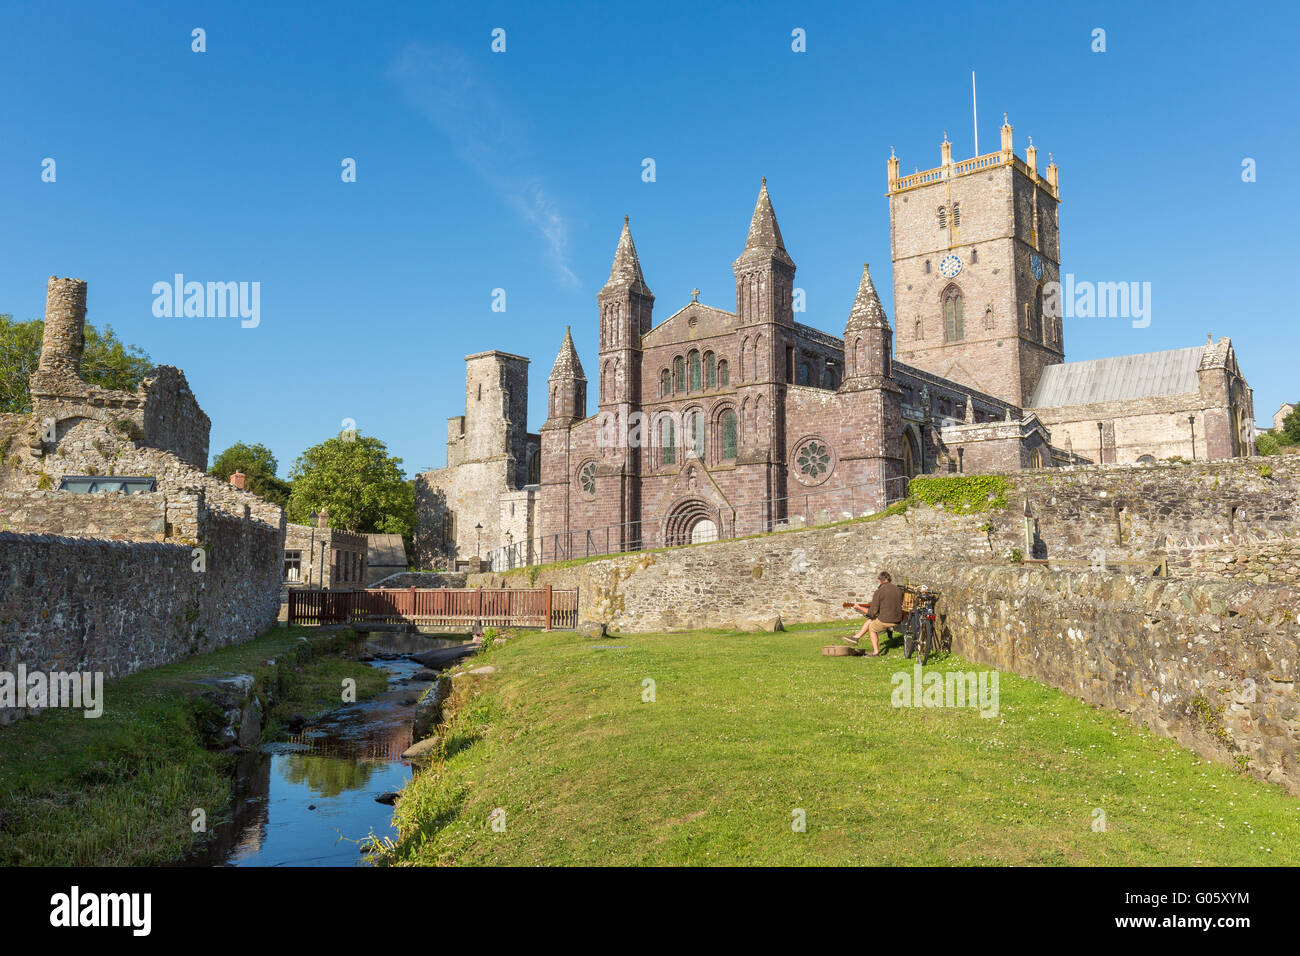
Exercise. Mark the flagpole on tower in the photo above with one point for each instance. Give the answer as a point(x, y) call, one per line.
point(975, 116)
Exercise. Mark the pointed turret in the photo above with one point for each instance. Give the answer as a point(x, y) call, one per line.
point(625, 274)
point(868, 340)
point(567, 386)
point(867, 312)
point(764, 239)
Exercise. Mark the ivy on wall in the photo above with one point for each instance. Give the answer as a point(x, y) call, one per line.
point(961, 492)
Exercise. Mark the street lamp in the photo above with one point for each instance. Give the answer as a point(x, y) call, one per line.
point(1191, 420)
point(478, 535)
point(1101, 446)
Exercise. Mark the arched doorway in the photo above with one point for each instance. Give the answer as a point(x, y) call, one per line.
point(691, 521)
point(704, 530)
point(910, 454)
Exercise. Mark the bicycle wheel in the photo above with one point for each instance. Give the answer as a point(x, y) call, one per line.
point(925, 641)
point(909, 641)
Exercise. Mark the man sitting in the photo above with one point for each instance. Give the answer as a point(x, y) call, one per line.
point(884, 612)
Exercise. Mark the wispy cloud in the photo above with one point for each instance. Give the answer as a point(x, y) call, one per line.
point(446, 86)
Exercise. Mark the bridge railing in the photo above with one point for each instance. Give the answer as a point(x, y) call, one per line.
point(438, 607)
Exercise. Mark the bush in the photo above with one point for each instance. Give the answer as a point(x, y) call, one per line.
point(961, 492)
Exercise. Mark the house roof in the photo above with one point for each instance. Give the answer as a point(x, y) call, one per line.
point(385, 551)
point(1119, 378)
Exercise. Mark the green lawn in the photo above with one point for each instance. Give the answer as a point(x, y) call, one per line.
point(119, 789)
point(746, 729)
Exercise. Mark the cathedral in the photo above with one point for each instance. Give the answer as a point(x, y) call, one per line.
point(714, 423)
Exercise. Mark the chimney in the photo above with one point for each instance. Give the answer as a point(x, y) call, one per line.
point(237, 479)
point(323, 519)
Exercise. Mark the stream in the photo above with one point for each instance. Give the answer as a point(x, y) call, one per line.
point(310, 800)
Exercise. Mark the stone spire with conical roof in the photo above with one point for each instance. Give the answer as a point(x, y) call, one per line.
point(625, 273)
point(868, 339)
point(867, 312)
point(764, 239)
point(567, 391)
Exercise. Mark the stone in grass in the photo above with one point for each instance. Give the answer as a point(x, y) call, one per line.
point(485, 669)
point(591, 629)
point(420, 750)
point(769, 622)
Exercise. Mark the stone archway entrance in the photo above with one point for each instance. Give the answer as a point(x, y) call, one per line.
point(704, 530)
point(690, 522)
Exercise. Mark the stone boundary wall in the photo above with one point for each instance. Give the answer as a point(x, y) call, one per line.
point(110, 516)
point(421, 579)
point(1135, 509)
point(1148, 647)
point(88, 604)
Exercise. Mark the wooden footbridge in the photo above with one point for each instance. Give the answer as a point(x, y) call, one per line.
point(465, 608)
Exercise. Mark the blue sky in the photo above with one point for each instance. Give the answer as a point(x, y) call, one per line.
point(479, 170)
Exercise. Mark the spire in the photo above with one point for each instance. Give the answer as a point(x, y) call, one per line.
point(764, 237)
point(626, 271)
point(867, 311)
point(566, 364)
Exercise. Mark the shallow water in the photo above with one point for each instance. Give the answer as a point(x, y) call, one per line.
point(310, 801)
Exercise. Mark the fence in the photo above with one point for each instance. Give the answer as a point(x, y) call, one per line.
point(813, 507)
point(438, 607)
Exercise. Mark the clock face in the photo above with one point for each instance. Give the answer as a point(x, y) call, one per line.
point(950, 266)
point(1036, 264)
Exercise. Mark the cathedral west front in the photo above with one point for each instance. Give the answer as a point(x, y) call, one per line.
point(719, 422)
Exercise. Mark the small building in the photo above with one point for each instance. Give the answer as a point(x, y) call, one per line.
point(318, 556)
point(385, 555)
point(1280, 415)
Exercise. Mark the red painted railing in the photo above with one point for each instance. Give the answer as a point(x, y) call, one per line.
point(437, 607)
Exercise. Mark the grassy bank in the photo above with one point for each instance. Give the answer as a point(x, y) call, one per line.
point(746, 730)
point(120, 789)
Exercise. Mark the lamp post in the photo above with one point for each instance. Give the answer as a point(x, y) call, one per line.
point(478, 537)
point(1191, 420)
point(1101, 446)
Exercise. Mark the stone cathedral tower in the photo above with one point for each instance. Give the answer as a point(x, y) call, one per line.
point(973, 244)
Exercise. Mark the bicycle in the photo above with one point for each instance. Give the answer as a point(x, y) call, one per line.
point(920, 634)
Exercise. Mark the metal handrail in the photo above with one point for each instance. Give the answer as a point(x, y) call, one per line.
point(643, 534)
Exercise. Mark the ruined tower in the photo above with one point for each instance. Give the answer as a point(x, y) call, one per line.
point(974, 243)
point(65, 330)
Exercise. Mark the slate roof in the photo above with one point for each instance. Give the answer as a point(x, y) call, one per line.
point(385, 551)
point(1120, 378)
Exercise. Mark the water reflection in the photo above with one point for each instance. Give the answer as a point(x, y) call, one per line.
point(310, 801)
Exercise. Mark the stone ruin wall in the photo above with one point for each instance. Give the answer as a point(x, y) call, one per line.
point(113, 583)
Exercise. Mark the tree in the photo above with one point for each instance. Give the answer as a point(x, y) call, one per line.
point(105, 361)
point(1291, 427)
point(258, 465)
point(358, 482)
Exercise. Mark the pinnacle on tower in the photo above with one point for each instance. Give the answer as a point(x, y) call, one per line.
point(626, 271)
point(567, 365)
point(867, 312)
point(764, 237)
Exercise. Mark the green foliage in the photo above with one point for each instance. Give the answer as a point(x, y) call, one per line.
point(358, 482)
point(1016, 556)
point(961, 492)
point(258, 465)
point(1265, 471)
point(1266, 443)
point(105, 362)
point(1291, 427)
